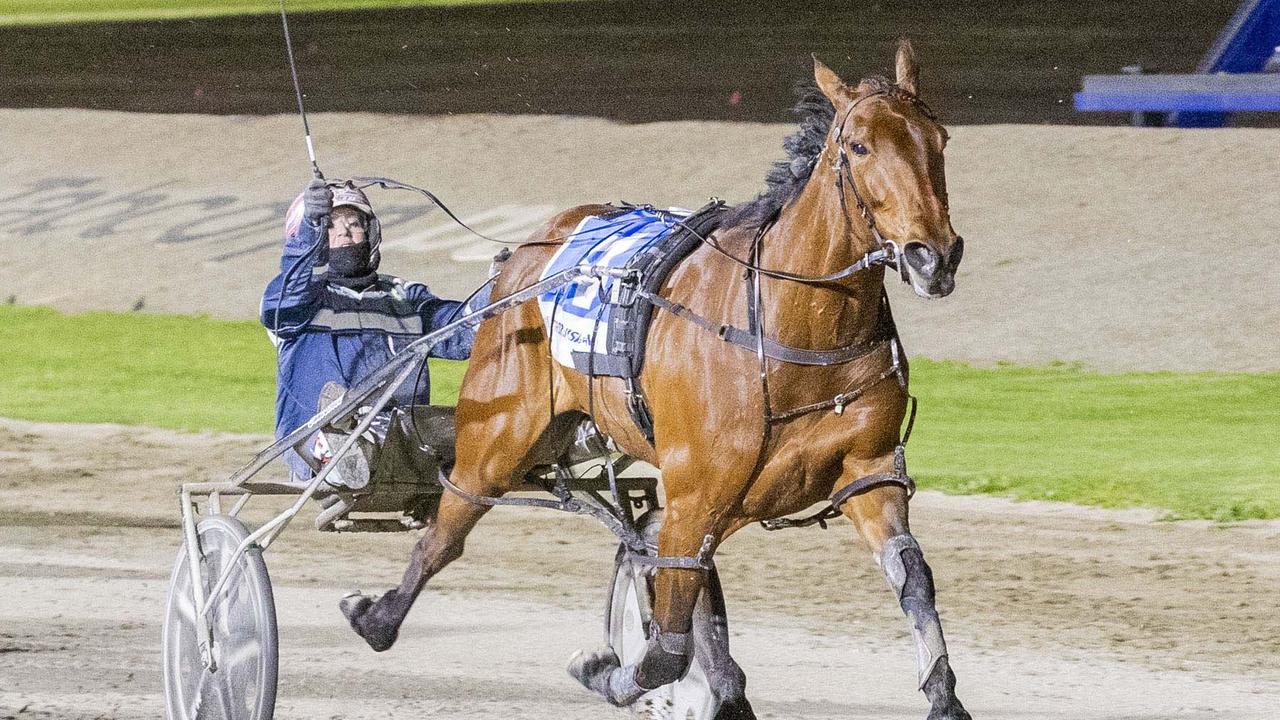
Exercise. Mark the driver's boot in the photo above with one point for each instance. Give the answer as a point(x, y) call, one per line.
point(353, 468)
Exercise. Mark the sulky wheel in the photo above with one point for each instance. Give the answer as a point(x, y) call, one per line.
point(627, 618)
point(245, 649)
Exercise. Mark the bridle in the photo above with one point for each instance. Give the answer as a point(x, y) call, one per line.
point(886, 252)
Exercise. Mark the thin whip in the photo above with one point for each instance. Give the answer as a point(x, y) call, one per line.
point(297, 91)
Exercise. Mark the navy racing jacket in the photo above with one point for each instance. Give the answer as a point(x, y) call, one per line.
point(327, 332)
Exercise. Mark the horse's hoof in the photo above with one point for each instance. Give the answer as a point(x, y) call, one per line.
point(736, 709)
point(600, 673)
point(353, 606)
point(954, 712)
point(360, 611)
point(592, 669)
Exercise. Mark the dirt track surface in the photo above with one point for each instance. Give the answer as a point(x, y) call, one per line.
point(1051, 611)
point(1117, 247)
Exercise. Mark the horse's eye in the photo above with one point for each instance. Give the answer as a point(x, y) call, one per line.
point(860, 149)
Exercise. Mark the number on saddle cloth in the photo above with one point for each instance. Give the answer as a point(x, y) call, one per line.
point(598, 325)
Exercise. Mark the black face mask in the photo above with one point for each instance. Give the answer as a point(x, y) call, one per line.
point(349, 265)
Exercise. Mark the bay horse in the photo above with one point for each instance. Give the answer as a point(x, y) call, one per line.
point(740, 436)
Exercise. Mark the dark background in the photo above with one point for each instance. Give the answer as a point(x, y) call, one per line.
point(985, 61)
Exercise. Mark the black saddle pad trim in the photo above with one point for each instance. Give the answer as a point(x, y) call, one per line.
point(629, 324)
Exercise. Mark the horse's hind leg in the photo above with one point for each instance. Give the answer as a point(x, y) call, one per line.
point(378, 620)
point(490, 463)
point(881, 518)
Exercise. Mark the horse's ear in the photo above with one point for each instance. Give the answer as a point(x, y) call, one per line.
point(830, 84)
point(908, 72)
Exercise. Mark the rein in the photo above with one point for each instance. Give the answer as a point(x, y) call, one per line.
point(389, 184)
point(886, 254)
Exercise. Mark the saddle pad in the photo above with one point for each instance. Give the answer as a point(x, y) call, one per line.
point(579, 312)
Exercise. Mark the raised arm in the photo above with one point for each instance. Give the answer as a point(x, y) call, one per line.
point(293, 296)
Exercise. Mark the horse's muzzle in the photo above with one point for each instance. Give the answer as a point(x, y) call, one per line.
point(932, 274)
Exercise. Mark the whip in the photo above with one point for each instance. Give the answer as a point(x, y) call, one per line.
point(297, 91)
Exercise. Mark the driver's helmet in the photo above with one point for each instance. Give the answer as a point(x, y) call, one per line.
point(351, 196)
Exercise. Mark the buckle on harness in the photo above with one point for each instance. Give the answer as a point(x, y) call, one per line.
point(840, 400)
point(895, 258)
point(624, 290)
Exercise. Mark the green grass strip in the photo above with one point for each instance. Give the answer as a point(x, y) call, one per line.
point(1201, 445)
point(169, 371)
point(50, 12)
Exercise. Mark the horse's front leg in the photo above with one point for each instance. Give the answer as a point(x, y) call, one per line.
point(880, 516)
point(671, 638)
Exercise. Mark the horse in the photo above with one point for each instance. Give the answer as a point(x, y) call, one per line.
point(741, 432)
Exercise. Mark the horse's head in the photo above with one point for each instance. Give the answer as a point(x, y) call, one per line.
point(886, 148)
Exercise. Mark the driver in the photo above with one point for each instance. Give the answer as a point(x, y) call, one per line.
point(334, 320)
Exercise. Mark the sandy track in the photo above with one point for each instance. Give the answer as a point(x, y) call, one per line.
point(1118, 247)
point(1051, 610)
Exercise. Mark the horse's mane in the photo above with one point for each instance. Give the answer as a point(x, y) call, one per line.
point(788, 177)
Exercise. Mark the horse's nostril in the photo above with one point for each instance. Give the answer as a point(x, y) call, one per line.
point(921, 257)
point(957, 252)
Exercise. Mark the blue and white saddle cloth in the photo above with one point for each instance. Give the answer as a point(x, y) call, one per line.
point(577, 314)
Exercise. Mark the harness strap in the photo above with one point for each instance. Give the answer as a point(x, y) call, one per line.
point(885, 255)
point(897, 477)
point(911, 418)
point(848, 397)
point(862, 485)
point(572, 505)
point(871, 482)
point(749, 340)
point(701, 561)
point(568, 503)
